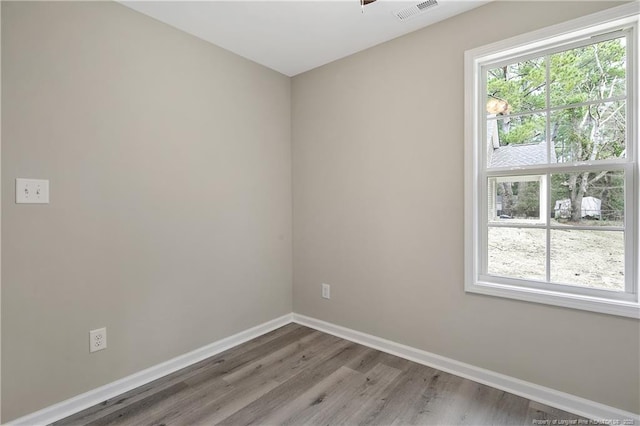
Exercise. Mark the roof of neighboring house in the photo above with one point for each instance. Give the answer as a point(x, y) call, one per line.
point(521, 154)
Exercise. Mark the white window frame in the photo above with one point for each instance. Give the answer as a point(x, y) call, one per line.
point(623, 304)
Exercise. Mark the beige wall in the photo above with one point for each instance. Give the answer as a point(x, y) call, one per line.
point(0, 214)
point(170, 214)
point(170, 218)
point(378, 214)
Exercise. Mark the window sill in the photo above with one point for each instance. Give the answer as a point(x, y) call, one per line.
point(573, 301)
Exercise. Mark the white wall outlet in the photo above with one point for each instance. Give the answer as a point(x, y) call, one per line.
point(98, 339)
point(32, 191)
point(326, 291)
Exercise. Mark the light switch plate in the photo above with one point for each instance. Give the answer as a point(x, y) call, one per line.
point(32, 191)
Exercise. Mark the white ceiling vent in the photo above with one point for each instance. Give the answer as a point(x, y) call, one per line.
point(411, 11)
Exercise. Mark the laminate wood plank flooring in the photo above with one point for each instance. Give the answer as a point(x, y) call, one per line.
point(299, 376)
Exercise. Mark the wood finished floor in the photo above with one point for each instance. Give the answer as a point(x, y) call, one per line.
point(296, 375)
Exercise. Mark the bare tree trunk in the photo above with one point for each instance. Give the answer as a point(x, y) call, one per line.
point(604, 198)
point(507, 198)
point(520, 208)
point(578, 184)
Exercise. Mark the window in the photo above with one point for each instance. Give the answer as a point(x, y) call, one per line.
point(552, 192)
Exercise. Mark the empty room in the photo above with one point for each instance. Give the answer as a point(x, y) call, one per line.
point(322, 212)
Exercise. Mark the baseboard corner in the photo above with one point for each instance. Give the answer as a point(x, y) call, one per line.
point(88, 399)
point(564, 401)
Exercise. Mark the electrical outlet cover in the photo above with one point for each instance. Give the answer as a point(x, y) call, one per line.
point(98, 339)
point(326, 291)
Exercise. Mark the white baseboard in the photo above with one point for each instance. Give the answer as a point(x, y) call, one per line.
point(564, 401)
point(88, 399)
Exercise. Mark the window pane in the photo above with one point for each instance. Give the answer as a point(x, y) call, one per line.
point(588, 73)
point(516, 141)
point(589, 133)
point(517, 253)
point(518, 87)
point(588, 198)
point(588, 258)
point(515, 199)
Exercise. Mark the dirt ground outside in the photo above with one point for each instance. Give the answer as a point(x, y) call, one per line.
point(590, 258)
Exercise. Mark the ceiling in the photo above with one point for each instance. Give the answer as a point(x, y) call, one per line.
point(295, 36)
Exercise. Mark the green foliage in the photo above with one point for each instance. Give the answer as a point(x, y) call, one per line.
point(522, 129)
point(590, 73)
point(606, 186)
point(560, 187)
point(610, 190)
point(589, 133)
point(528, 202)
point(521, 85)
point(593, 74)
